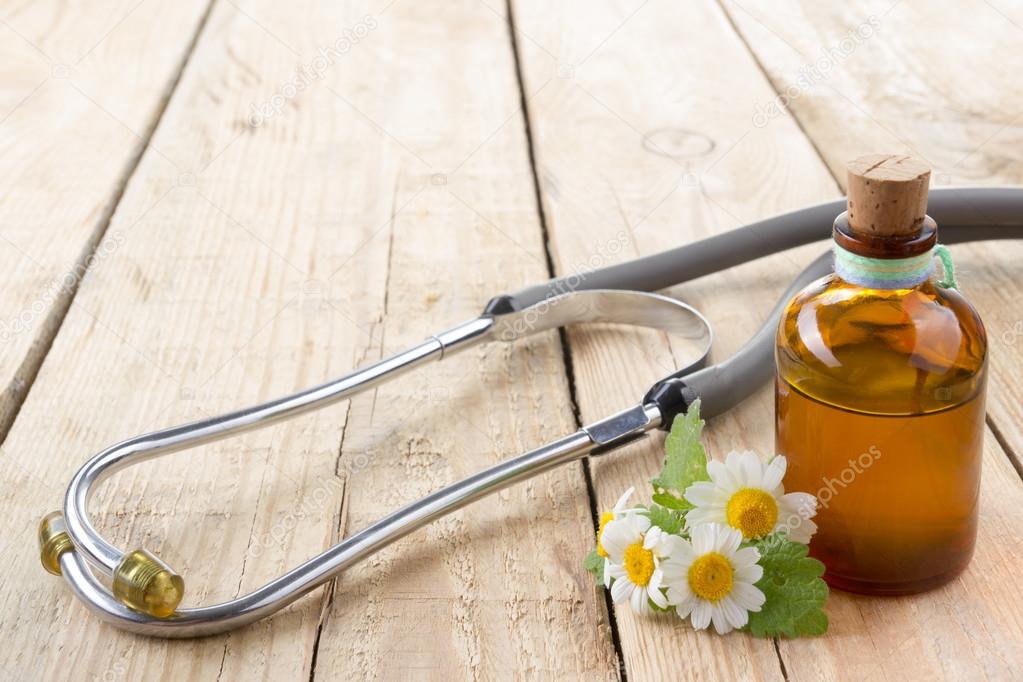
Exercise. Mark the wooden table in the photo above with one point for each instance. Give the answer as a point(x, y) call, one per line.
point(211, 203)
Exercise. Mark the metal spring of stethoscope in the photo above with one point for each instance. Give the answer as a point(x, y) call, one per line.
point(144, 592)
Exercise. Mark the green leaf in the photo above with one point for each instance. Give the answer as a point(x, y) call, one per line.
point(685, 460)
point(668, 520)
point(794, 589)
point(671, 501)
point(594, 563)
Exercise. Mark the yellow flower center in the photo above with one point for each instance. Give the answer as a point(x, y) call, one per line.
point(711, 577)
point(605, 518)
point(638, 564)
point(752, 511)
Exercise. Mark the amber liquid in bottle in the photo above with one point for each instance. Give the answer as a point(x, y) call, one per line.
point(880, 412)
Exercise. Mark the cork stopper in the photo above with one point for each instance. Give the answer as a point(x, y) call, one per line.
point(887, 196)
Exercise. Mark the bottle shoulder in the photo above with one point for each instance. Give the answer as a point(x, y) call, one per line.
point(887, 351)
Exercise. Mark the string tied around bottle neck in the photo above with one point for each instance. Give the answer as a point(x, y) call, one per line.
point(895, 273)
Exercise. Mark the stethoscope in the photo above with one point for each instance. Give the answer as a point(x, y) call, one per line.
point(143, 592)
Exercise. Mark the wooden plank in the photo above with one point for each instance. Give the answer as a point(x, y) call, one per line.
point(966, 127)
point(385, 200)
point(638, 134)
point(82, 89)
point(495, 591)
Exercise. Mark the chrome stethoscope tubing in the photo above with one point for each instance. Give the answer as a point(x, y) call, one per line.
point(145, 592)
point(277, 594)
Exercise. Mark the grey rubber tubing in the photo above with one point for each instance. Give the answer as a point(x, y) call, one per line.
point(962, 214)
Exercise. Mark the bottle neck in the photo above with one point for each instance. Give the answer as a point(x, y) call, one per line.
point(883, 273)
point(881, 261)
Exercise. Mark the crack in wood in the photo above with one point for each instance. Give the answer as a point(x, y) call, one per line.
point(16, 393)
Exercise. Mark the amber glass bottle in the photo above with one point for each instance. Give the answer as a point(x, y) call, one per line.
point(880, 394)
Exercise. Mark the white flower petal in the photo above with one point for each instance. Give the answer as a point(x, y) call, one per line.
point(728, 539)
point(721, 624)
point(652, 537)
point(747, 556)
point(722, 477)
point(734, 614)
point(796, 511)
point(774, 473)
point(656, 578)
point(746, 596)
point(700, 616)
point(702, 515)
point(621, 590)
point(679, 591)
point(683, 552)
point(804, 503)
point(667, 546)
point(639, 522)
point(618, 535)
point(623, 500)
point(752, 470)
point(803, 532)
point(684, 607)
point(702, 494)
point(733, 460)
point(703, 537)
point(657, 597)
point(749, 574)
point(674, 570)
point(638, 601)
point(608, 567)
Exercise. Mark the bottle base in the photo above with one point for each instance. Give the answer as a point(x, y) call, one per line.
point(892, 589)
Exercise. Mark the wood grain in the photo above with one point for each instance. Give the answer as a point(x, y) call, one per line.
point(263, 250)
point(82, 89)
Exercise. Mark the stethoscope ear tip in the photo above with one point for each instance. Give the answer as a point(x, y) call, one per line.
point(145, 583)
point(53, 541)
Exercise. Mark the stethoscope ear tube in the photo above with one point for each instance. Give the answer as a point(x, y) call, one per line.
point(989, 210)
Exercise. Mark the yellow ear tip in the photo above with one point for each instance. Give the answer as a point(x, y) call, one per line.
point(53, 541)
point(145, 583)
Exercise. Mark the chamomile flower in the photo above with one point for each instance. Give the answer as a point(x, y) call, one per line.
point(712, 580)
point(617, 511)
point(635, 550)
point(746, 493)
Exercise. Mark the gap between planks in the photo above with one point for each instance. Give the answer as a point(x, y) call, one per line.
point(568, 364)
point(28, 370)
point(774, 86)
